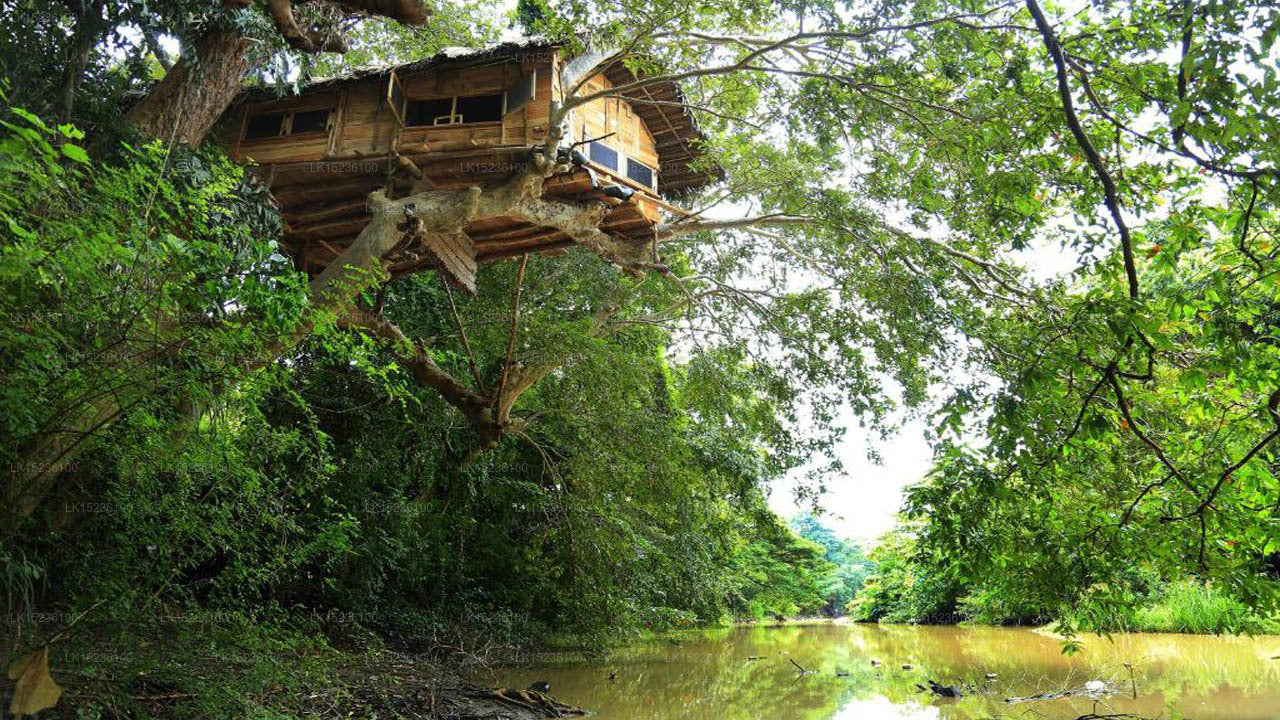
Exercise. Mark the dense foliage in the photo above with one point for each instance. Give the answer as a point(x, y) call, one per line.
point(911, 585)
point(848, 566)
point(627, 512)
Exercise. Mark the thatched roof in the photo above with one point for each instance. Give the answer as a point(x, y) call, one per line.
point(679, 140)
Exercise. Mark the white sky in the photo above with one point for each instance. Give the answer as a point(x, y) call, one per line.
point(861, 505)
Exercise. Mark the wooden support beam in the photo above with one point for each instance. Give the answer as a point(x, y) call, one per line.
point(549, 247)
point(408, 165)
point(304, 191)
point(340, 226)
point(326, 210)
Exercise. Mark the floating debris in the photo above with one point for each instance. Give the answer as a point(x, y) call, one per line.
point(1093, 689)
point(941, 690)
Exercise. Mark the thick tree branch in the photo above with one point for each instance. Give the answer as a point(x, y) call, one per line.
point(1184, 73)
point(311, 40)
point(408, 12)
point(417, 359)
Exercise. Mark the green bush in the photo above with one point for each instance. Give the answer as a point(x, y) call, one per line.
point(1189, 606)
point(904, 588)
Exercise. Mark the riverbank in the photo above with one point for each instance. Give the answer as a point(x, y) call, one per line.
point(1267, 628)
point(230, 667)
point(238, 668)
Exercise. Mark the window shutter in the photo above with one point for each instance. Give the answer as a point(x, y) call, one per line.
point(522, 92)
point(395, 97)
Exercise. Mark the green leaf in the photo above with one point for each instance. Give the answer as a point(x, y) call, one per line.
point(75, 152)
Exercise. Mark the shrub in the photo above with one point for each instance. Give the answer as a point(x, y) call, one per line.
point(1190, 606)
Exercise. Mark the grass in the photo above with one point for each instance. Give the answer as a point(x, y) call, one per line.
point(1189, 606)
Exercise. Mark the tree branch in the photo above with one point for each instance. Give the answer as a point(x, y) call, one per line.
point(1086, 146)
point(515, 324)
point(312, 40)
point(418, 360)
point(674, 229)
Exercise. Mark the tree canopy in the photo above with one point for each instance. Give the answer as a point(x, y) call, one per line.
point(189, 417)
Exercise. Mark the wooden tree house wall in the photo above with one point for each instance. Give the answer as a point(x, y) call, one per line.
point(458, 123)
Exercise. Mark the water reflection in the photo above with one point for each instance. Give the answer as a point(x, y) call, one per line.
point(709, 675)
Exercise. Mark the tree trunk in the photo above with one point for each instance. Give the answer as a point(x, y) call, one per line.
point(184, 106)
point(87, 33)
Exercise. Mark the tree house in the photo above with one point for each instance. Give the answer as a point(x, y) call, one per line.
point(466, 119)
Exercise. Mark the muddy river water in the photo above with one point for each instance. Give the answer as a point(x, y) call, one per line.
point(747, 673)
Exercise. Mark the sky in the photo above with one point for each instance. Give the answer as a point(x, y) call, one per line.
point(861, 504)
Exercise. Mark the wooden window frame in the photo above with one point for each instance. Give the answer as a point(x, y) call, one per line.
point(286, 124)
point(618, 155)
point(453, 110)
point(393, 85)
point(532, 79)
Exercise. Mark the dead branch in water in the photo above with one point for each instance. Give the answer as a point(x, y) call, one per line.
point(801, 668)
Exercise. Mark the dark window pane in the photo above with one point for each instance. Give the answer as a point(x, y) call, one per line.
point(425, 112)
point(640, 172)
point(604, 155)
point(263, 126)
point(310, 121)
point(480, 108)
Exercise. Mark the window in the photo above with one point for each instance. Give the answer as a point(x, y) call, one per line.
point(269, 125)
point(310, 121)
point(480, 108)
point(426, 112)
point(522, 92)
point(263, 126)
point(454, 110)
point(640, 172)
point(604, 155)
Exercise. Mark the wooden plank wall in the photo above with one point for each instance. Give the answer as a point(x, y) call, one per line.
point(363, 126)
point(615, 115)
point(267, 151)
